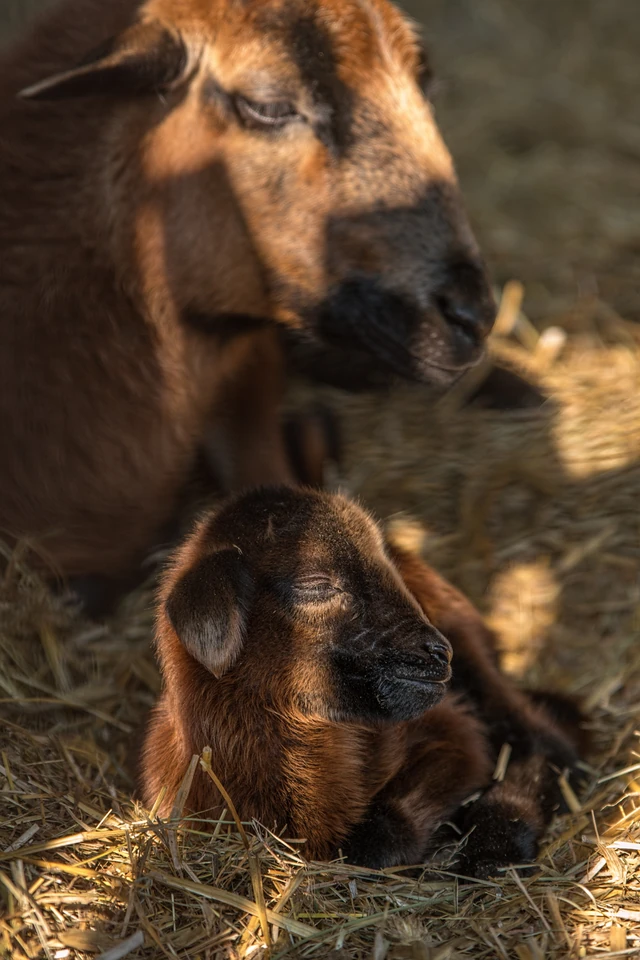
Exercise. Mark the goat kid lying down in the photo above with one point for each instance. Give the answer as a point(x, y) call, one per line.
point(315, 660)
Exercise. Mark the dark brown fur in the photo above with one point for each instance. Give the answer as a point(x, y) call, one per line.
point(150, 226)
point(297, 645)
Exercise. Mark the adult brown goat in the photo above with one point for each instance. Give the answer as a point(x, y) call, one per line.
point(295, 643)
point(209, 168)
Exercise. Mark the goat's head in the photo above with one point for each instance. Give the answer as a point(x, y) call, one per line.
point(289, 166)
point(289, 596)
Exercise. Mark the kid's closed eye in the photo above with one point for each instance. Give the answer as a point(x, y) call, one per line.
point(314, 588)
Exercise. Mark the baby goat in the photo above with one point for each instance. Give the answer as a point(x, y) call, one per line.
point(307, 653)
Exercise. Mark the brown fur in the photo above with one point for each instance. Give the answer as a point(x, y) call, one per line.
point(148, 228)
point(266, 679)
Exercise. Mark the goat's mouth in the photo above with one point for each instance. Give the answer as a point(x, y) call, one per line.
point(440, 674)
point(406, 693)
point(397, 336)
point(436, 353)
point(419, 681)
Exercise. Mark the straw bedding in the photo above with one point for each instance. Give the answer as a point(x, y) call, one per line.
point(535, 515)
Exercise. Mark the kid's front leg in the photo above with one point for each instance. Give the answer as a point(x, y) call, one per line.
point(448, 761)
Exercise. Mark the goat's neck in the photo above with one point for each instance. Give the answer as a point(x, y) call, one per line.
point(305, 775)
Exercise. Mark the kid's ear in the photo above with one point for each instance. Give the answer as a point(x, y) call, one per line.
point(145, 58)
point(208, 608)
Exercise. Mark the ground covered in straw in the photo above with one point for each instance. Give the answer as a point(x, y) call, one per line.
point(536, 516)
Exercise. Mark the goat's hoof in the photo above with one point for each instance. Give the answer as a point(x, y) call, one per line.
point(501, 836)
point(384, 838)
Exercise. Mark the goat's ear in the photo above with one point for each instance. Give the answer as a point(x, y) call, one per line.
point(208, 608)
point(143, 59)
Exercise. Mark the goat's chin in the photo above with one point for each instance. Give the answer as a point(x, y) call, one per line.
point(436, 354)
point(388, 706)
point(406, 699)
point(376, 699)
point(390, 333)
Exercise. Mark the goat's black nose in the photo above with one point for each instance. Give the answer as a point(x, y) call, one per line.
point(438, 647)
point(465, 299)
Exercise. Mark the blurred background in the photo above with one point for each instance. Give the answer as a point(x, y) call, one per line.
point(538, 101)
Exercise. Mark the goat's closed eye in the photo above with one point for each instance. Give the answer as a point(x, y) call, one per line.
point(314, 589)
point(274, 114)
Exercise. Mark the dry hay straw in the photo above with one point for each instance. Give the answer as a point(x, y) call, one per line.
point(536, 516)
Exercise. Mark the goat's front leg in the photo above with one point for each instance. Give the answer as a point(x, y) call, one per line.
point(248, 445)
point(504, 825)
point(448, 760)
point(245, 445)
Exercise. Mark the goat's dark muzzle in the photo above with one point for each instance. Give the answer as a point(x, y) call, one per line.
point(415, 678)
point(432, 666)
point(436, 343)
